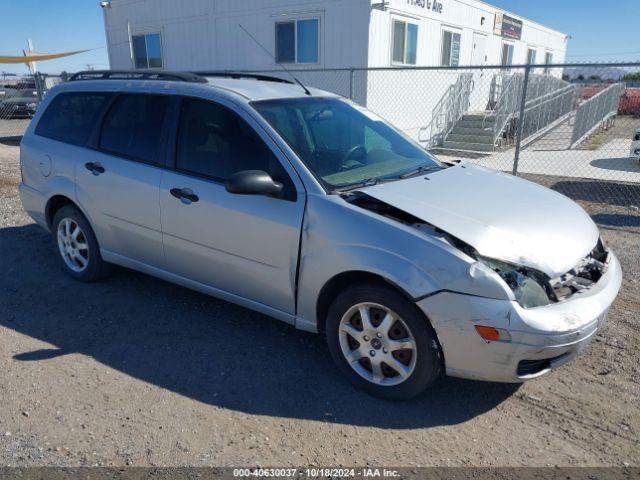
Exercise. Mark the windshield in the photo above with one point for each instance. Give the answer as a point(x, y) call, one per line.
point(343, 144)
point(21, 94)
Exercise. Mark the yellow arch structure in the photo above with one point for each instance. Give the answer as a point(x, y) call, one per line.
point(37, 57)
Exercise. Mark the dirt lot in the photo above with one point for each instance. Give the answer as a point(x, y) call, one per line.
point(137, 371)
point(13, 127)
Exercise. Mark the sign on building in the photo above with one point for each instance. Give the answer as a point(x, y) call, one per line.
point(508, 27)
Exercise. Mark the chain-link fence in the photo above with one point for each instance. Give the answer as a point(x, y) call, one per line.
point(19, 99)
point(544, 122)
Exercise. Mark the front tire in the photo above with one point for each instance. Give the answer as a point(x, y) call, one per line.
point(77, 246)
point(382, 343)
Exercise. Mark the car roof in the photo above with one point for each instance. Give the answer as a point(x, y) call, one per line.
point(249, 86)
point(256, 89)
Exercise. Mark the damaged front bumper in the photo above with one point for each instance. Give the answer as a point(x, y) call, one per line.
point(541, 338)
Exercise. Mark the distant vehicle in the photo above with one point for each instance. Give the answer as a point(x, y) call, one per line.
point(19, 103)
point(635, 146)
point(309, 208)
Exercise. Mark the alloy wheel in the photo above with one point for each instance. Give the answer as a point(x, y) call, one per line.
point(377, 344)
point(73, 245)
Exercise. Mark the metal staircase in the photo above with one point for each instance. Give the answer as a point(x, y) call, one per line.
point(473, 132)
point(549, 101)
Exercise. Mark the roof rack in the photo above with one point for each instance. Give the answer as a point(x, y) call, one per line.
point(137, 75)
point(240, 75)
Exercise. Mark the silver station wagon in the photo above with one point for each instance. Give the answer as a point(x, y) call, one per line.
point(308, 208)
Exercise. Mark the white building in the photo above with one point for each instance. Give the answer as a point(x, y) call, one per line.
point(205, 34)
point(310, 34)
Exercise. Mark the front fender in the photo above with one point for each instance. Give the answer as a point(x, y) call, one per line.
point(338, 237)
point(319, 267)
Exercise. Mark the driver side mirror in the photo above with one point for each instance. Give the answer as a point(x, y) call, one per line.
point(253, 182)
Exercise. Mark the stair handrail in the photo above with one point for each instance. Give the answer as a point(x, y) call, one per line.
point(460, 101)
point(506, 106)
point(449, 109)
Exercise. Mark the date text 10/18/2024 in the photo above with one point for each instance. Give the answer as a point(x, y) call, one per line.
point(316, 472)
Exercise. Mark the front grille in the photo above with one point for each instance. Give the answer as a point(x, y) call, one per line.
point(531, 367)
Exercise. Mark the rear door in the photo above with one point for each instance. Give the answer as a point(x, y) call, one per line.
point(118, 182)
point(244, 245)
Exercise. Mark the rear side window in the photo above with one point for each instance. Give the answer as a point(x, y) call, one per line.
point(133, 127)
point(70, 117)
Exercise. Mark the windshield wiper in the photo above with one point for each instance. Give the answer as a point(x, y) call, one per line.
point(365, 183)
point(419, 170)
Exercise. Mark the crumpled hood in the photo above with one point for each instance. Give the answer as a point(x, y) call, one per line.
point(501, 216)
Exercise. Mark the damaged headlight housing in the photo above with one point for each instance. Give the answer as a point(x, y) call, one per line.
point(528, 286)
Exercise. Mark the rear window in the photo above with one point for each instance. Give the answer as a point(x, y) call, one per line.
point(70, 117)
point(133, 127)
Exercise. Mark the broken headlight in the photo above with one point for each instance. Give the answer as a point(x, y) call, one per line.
point(528, 286)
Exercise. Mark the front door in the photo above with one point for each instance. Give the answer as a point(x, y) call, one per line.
point(244, 245)
point(479, 54)
point(481, 78)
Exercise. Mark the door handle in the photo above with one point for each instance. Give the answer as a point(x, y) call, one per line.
point(185, 195)
point(94, 167)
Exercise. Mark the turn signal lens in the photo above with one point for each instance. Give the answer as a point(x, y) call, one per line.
point(492, 334)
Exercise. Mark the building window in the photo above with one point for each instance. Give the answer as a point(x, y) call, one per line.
point(298, 41)
point(147, 50)
point(531, 56)
point(405, 43)
point(507, 54)
point(450, 49)
point(548, 59)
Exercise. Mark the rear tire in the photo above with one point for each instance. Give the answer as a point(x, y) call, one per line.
point(77, 246)
point(395, 354)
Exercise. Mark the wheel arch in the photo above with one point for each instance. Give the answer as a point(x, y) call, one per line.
point(54, 204)
point(337, 283)
point(62, 199)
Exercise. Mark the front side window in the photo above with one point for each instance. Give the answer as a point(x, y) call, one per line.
point(70, 117)
point(133, 127)
point(342, 143)
point(147, 50)
point(450, 49)
point(507, 54)
point(531, 56)
point(298, 41)
point(215, 142)
point(404, 43)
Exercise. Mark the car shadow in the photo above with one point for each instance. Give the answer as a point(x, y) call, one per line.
point(616, 220)
point(11, 141)
point(201, 347)
point(624, 164)
point(600, 191)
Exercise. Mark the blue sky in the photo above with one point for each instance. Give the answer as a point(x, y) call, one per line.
point(602, 30)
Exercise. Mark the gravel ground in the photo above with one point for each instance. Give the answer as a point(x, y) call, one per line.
point(13, 127)
point(136, 371)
